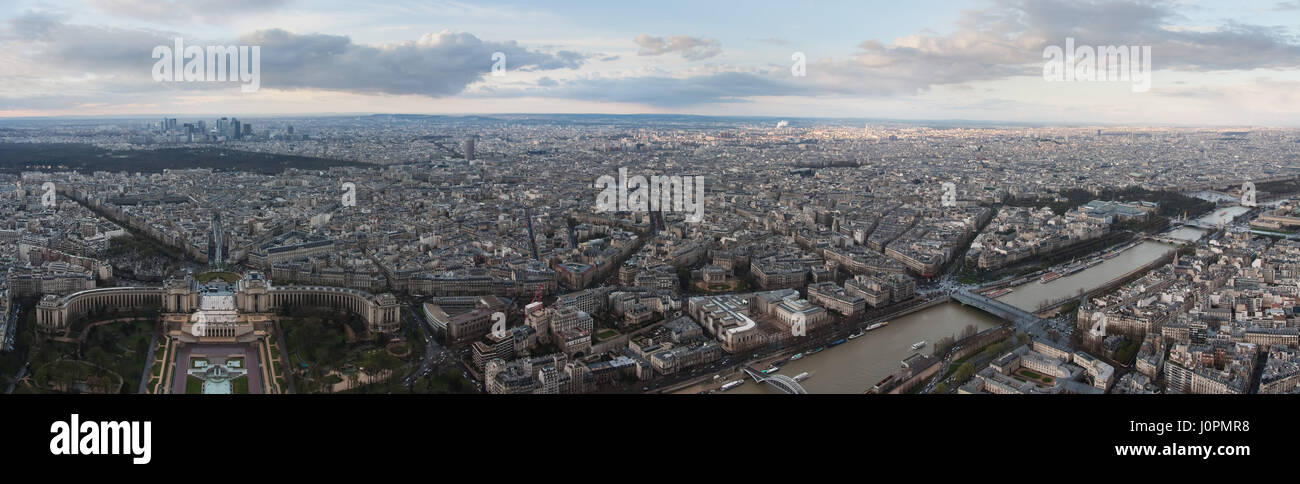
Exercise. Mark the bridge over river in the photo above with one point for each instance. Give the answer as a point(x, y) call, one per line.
point(781, 382)
point(1022, 318)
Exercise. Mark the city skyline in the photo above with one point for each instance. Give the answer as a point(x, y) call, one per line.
point(944, 60)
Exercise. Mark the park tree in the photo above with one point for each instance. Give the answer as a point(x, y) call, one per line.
point(964, 371)
point(100, 358)
point(968, 331)
point(941, 347)
point(994, 350)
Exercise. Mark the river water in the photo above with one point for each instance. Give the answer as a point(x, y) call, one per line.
point(856, 365)
point(1224, 215)
point(1034, 295)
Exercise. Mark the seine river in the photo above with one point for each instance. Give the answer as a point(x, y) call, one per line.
point(1032, 295)
point(853, 367)
point(856, 365)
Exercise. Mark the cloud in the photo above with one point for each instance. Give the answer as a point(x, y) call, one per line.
point(34, 26)
point(1007, 40)
point(59, 48)
point(441, 64)
point(196, 11)
point(690, 48)
point(1230, 46)
point(435, 65)
point(1004, 40)
point(999, 40)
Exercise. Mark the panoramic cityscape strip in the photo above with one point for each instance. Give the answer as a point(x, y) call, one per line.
point(404, 221)
point(467, 271)
point(639, 250)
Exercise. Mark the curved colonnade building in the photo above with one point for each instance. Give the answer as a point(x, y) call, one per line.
point(253, 295)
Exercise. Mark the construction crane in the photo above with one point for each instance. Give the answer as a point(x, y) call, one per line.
point(534, 306)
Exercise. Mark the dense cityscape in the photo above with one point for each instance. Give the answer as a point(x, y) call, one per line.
point(404, 236)
point(436, 254)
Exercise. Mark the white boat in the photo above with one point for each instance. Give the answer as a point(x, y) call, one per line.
point(918, 345)
point(732, 384)
point(801, 377)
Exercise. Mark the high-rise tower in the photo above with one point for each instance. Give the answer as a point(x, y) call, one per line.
point(467, 147)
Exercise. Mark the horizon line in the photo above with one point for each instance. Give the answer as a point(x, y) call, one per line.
point(710, 116)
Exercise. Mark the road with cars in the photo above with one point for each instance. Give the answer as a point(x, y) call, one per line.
point(435, 354)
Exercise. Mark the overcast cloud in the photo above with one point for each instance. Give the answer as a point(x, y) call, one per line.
point(66, 53)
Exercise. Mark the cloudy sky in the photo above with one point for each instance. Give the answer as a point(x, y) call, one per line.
point(1214, 62)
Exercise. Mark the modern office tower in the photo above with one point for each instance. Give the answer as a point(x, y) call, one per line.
point(467, 147)
point(248, 131)
point(234, 129)
point(168, 124)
